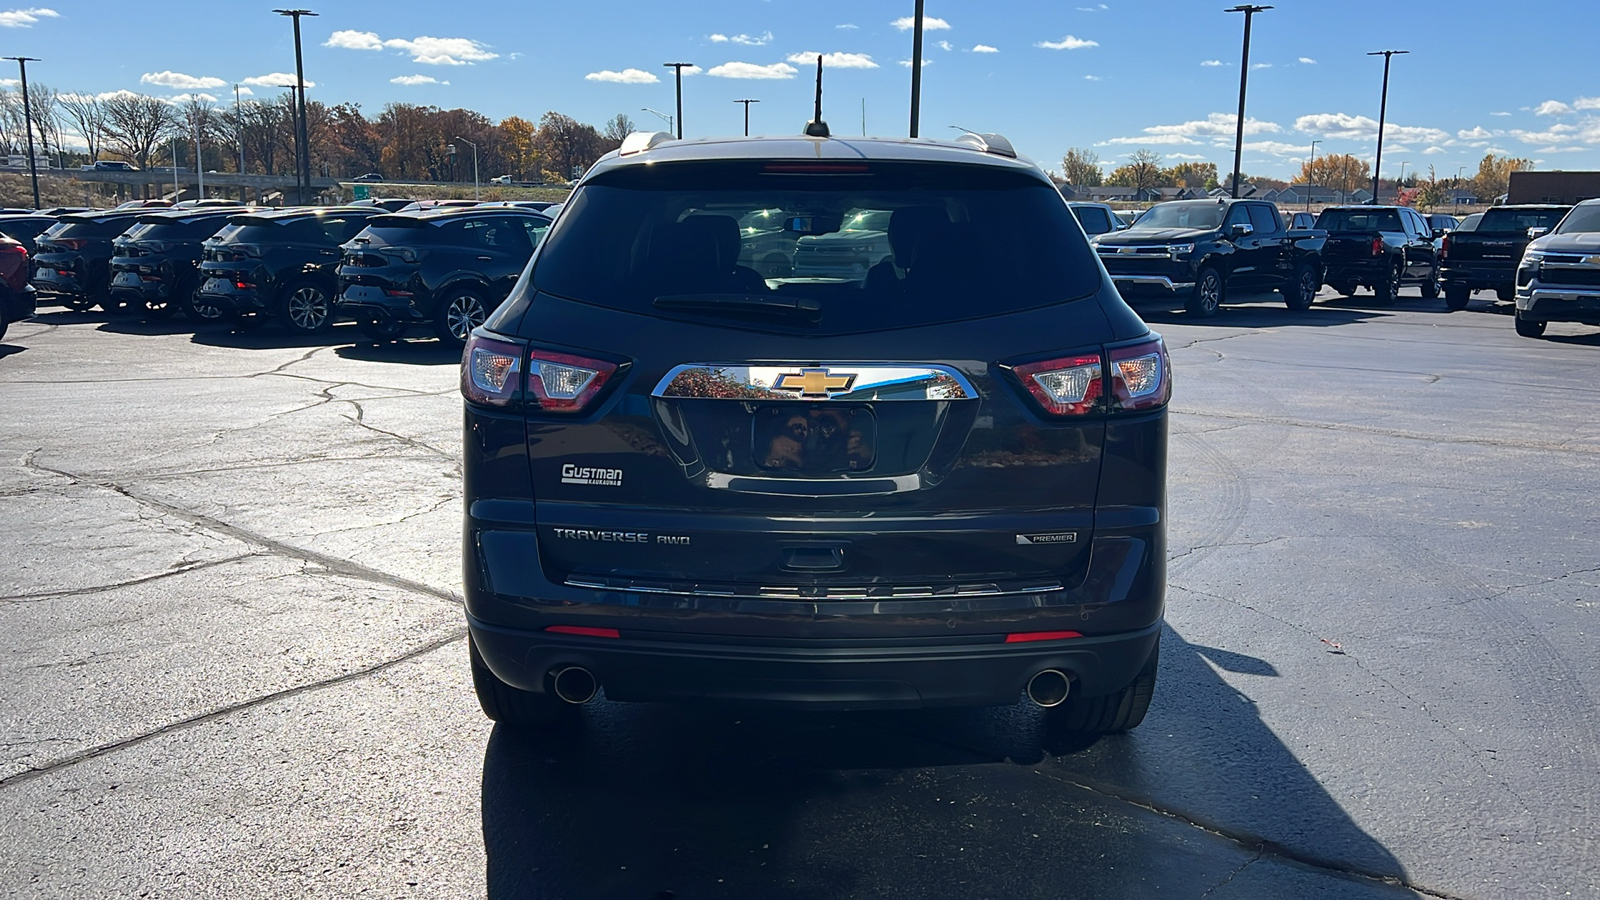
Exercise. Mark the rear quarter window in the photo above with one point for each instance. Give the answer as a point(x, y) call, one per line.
point(1518, 221)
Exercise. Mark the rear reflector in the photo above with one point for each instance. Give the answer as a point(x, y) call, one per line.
point(584, 631)
point(1023, 637)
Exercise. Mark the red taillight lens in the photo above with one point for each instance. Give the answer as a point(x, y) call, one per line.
point(584, 631)
point(1069, 386)
point(1377, 246)
point(564, 383)
point(1444, 247)
point(1024, 637)
point(491, 371)
point(70, 243)
point(1141, 376)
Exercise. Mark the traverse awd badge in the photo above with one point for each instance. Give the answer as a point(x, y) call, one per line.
point(814, 382)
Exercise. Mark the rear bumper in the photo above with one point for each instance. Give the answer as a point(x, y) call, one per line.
point(360, 300)
point(51, 283)
point(18, 305)
point(1364, 271)
point(1478, 275)
point(814, 674)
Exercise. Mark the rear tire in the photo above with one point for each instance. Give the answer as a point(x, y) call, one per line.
point(307, 308)
point(503, 703)
point(1389, 290)
point(1346, 288)
point(1208, 294)
point(1115, 712)
point(201, 310)
point(1530, 328)
point(1456, 298)
point(77, 304)
point(458, 314)
point(1301, 291)
point(1430, 288)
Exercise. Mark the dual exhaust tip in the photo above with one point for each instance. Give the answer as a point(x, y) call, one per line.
point(577, 685)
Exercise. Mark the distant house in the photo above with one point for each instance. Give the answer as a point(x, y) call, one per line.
point(1300, 194)
point(1246, 189)
point(1461, 197)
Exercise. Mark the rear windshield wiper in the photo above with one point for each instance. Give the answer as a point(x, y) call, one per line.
point(744, 304)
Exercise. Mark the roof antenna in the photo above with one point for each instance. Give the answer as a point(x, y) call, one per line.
point(816, 127)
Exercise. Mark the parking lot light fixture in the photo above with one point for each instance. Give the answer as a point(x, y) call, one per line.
point(916, 69)
point(1244, 80)
point(747, 114)
point(678, 70)
point(664, 117)
point(1383, 112)
point(303, 152)
point(27, 118)
point(474, 165)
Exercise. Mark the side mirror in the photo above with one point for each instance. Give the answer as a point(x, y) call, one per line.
point(1537, 232)
point(1242, 229)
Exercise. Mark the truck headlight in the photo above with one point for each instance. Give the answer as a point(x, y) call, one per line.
point(1180, 251)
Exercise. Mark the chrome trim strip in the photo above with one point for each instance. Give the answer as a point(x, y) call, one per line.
point(814, 487)
point(810, 592)
point(853, 382)
point(1154, 280)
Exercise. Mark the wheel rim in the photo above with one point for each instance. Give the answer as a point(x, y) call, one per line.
point(464, 314)
point(1210, 293)
point(1308, 288)
point(308, 308)
point(206, 311)
point(1394, 282)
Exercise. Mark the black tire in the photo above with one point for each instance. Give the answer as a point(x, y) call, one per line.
point(168, 307)
point(385, 329)
point(1430, 288)
point(1301, 291)
point(459, 313)
point(307, 308)
point(1115, 712)
point(1208, 294)
point(503, 703)
point(1456, 297)
point(199, 309)
point(1389, 290)
point(77, 304)
point(1530, 328)
point(1346, 288)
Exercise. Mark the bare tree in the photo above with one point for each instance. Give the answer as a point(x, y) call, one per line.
point(46, 118)
point(136, 125)
point(616, 130)
point(85, 114)
point(1081, 166)
point(568, 145)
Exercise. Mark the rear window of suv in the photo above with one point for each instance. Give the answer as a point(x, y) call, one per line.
point(1518, 221)
point(88, 228)
point(1359, 220)
point(881, 245)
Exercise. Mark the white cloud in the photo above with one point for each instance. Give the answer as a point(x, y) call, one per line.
point(185, 98)
point(626, 76)
point(929, 23)
point(1091, 78)
point(1191, 156)
point(354, 40)
point(26, 18)
point(1307, 61)
point(984, 48)
point(834, 60)
point(245, 92)
point(907, 62)
point(180, 81)
point(1216, 125)
point(1552, 108)
point(1555, 134)
point(1562, 149)
point(1254, 66)
point(1476, 133)
point(847, 27)
point(1211, 62)
point(946, 46)
point(1093, 8)
point(275, 80)
point(1148, 139)
point(752, 70)
point(109, 95)
point(1362, 128)
point(1067, 43)
point(749, 40)
point(1276, 148)
point(1586, 103)
point(13, 82)
point(1433, 150)
point(414, 80)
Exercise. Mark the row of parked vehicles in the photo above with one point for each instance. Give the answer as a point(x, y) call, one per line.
point(388, 265)
point(1543, 257)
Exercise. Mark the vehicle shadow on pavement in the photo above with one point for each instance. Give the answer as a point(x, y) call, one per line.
point(10, 349)
point(1251, 316)
point(268, 336)
point(687, 801)
point(414, 353)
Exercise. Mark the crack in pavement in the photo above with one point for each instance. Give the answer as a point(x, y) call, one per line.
point(1198, 548)
point(1394, 433)
point(1234, 874)
point(132, 582)
point(34, 772)
point(360, 421)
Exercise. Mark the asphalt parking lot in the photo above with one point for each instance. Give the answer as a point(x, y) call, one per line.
point(234, 661)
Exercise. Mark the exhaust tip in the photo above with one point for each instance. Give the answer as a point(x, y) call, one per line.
point(575, 685)
point(1049, 688)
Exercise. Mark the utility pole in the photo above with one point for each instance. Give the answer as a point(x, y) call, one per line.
point(238, 121)
point(678, 69)
point(1310, 169)
point(27, 116)
point(475, 194)
point(747, 114)
point(916, 70)
point(303, 150)
point(1383, 112)
point(1244, 81)
point(664, 117)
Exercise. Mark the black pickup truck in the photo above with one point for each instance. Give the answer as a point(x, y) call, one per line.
point(1485, 258)
point(1384, 248)
point(1201, 250)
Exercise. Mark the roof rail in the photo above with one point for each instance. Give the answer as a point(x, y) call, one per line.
point(640, 141)
point(989, 143)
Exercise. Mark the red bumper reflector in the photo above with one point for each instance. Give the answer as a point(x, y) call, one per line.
point(1025, 636)
point(584, 630)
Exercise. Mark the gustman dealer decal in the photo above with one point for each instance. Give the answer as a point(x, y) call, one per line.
point(571, 474)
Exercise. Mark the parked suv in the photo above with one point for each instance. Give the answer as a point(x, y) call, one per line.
point(73, 263)
point(1485, 258)
point(280, 264)
point(1385, 248)
point(940, 483)
point(26, 228)
point(1559, 277)
point(1096, 218)
point(155, 265)
point(16, 294)
point(448, 268)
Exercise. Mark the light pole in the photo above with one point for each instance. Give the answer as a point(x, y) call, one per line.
point(1403, 164)
point(1244, 80)
point(678, 69)
point(302, 160)
point(176, 191)
point(238, 121)
point(27, 117)
point(474, 147)
point(747, 114)
point(916, 69)
point(1383, 112)
point(664, 117)
point(1310, 171)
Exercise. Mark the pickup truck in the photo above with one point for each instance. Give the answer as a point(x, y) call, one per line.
point(1558, 279)
point(1384, 248)
point(1485, 258)
point(1201, 250)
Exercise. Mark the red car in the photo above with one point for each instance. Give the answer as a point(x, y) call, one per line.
point(16, 294)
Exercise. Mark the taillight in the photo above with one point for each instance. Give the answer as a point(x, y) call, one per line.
point(491, 371)
point(70, 243)
point(1377, 246)
point(1444, 247)
point(1068, 386)
point(1141, 376)
point(564, 383)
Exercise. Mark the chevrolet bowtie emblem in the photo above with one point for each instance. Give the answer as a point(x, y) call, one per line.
point(814, 382)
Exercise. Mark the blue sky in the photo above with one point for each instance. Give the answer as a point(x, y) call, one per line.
point(1113, 75)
